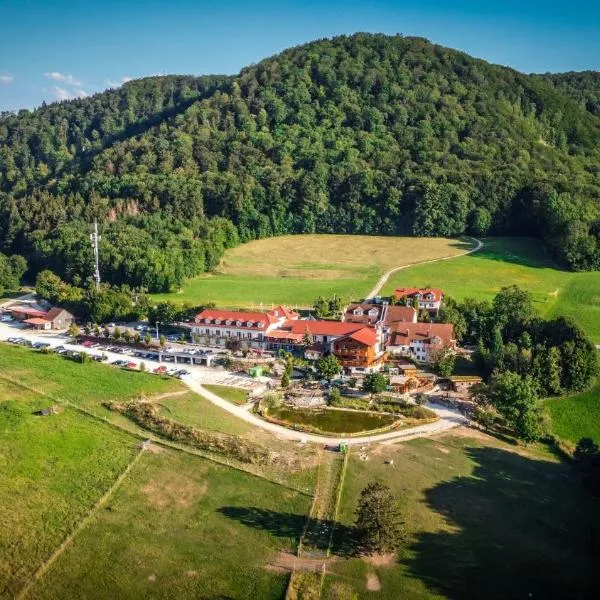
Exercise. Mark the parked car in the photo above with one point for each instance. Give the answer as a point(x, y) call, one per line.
point(6, 318)
point(130, 365)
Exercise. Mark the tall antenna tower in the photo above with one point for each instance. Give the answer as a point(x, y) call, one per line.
point(95, 238)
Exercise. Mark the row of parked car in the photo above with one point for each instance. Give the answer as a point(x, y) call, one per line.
point(25, 342)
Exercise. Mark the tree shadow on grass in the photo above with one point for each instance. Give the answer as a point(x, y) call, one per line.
point(520, 528)
point(288, 525)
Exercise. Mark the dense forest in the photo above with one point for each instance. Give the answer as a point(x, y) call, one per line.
point(359, 134)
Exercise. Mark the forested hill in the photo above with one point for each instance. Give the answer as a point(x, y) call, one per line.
point(358, 134)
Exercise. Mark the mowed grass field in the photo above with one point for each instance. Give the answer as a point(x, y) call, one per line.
point(507, 261)
point(481, 520)
point(295, 269)
point(166, 532)
point(576, 416)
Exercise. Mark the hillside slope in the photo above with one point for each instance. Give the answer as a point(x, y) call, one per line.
point(359, 134)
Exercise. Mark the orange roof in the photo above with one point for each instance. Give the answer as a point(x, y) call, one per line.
point(395, 314)
point(365, 336)
point(403, 334)
point(333, 328)
point(36, 321)
point(214, 314)
point(280, 334)
point(411, 291)
point(22, 310)
point(282, 311)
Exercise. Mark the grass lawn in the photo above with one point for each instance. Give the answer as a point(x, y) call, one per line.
point(480, 521)
point(192, 409)
point(504, 261)
point(53, 470)
point(231, 394)
point(85, 385)
point(294, 270)
point(181, 527)
point(576, 416)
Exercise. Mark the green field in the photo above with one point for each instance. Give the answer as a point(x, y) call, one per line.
point(506, 261)
point(53, 470)
point(480, 521)
point(192, 409)
point(294, 270)
point(168, 533)
point(231, 394)
point(576, 416)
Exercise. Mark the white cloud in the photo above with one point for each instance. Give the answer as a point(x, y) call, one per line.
point(64, 94)
point(114, 84)
point(6, 79)
point(63, 78)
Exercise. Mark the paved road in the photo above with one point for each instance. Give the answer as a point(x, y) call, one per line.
point(448, 418)
point(383, 279)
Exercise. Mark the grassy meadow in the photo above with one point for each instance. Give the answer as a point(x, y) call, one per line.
point(481, 519)
point(576, 416)
point(231, 394)
point(54, 469)
point(506, 261)
point(175, 529)
point(295, 269)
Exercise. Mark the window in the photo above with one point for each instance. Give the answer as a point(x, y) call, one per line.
point(207, 331)
point(228, 322)
point(373, 312)
point(238, 323)
point(358, 312)
point(207, 320)
point(217, 321)
point(218, 333)
point(261, 324)
point(249, 323)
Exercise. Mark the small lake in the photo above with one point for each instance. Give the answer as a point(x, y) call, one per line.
point(332, 421)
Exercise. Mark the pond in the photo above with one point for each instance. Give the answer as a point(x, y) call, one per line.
point(331, 421)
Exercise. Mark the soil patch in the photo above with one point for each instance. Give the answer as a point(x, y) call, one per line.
point(173, 490)
point(373, 583)
point(443, 450)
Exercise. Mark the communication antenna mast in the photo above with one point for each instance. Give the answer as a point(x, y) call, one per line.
point(95, 238)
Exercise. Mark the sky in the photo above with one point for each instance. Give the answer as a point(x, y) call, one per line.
point(59, 49)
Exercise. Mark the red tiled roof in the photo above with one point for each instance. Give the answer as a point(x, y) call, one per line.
point(431, 333)
point(285, 312)
point(365, 336)
point(235, 315)
point(334, 328)
point(404, 314)
point(279, 334)
point(34, 312)
point(411, 291)
point(36, 321)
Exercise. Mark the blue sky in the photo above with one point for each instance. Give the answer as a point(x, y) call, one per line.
point(57, 49)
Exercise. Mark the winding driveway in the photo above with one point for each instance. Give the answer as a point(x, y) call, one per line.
point(448, 418)
point(384, 278)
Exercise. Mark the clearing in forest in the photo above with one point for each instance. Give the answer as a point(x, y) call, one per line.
point(295, 269)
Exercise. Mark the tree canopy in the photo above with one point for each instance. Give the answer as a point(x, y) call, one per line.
point(355, 134)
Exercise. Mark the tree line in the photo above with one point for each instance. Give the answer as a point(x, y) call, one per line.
point(366, 134)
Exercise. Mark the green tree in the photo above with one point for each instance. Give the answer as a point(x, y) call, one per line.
point(375, 383)
point(334, 396)
point(73, 330)
point(378, 521)
point(328, 367)
point(515, 399)
point(162, 341)
point(443, 361)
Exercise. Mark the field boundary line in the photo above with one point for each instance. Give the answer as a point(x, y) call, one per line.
point(385, 277)
point(148, 435)
point(43, 568)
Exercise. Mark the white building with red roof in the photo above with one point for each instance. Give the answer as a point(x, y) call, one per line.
point(420, 340)
point(215, 325)
point(429, 298)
